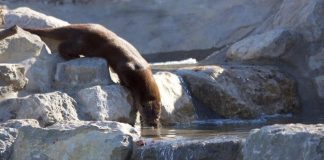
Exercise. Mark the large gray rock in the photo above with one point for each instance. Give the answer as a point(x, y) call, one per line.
point(12, 79)
point(76, 141)
point(166, 25)
point(112, 102)
point(285, 142)
point(303, 16)
point(47, 108)
point(218, 148)
point(7, 138)
point(242, 91)
point(28, 50)
point(177, 106)
point(272, 44)
point(81, 73)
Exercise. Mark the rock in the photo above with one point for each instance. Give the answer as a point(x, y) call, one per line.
point(12, 79)
point(242, 91)
point(81, 73)
point(18, 123)
point(177, 106)
point(291, 141)
point(112, 102)
point(319, 81)
point(47, 108)
point(76, 140)
point(222, 148)
point(7, 138)
point(303, 16)
point(316, 62)
point(272, 44)
point(28, 50)
point(26, 17)
point(165, 26)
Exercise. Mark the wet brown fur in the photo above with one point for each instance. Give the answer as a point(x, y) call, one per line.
point(93, 40)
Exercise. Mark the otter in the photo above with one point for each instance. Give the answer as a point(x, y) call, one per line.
point(134, 72)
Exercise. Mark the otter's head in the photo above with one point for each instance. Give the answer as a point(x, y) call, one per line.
point(150, 112)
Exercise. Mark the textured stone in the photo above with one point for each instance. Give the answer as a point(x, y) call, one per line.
point(272, 44)
point(18, 123)
point(316, 62)
point(112, 102)
point(30, 51)
point(291, 141)
point(242, 91)
point(12, 79)
point(81, 73)
point(76, 141)
point(7, 138)
point(177, 106)
point(47, 108)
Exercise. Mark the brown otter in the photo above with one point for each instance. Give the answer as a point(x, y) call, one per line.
point(134, 72)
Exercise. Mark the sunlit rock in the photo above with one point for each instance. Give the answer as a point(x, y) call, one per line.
point(177, 106)
point(76, 140)
point(113, 102)
point(292, 141)
point(272, 44)
point(81, 73)
point(12, 79)
point(47, 108)
point(31, 52)
point(242, 91)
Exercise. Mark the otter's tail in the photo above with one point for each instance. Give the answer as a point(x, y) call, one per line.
point(52, 33)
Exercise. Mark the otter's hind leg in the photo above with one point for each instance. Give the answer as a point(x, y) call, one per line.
point(69, 50)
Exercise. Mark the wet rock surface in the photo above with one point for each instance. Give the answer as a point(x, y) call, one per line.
point(7, 138)
point(177, 105)
point(218, 148)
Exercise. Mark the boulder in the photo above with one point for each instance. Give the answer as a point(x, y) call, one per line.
point(222, 148)
point(28, 18)
point(242, 91)
point(303, 16)
point(76, 141)
point(291, 141)
point(28, 50)
point(272, 44)
point(47, 108)
point(12, 79)
point(113, 102)
point(177, 106)
point(81, 73)
point(7, 138)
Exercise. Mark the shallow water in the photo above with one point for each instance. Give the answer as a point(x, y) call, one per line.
point(215, 127)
